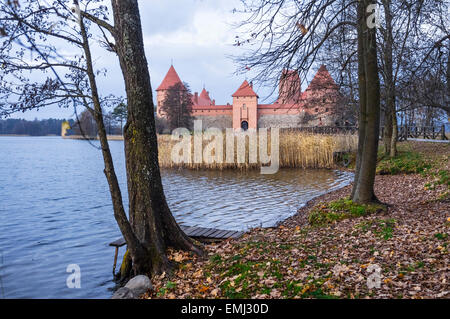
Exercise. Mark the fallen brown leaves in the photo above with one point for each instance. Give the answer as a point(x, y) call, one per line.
point(409, 242)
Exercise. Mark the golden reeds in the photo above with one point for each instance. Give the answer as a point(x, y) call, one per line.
point(296, 150)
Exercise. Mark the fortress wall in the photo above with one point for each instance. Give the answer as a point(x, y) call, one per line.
point(279, 120)
point(279, 111)
point(291, 121)
point(218, 121)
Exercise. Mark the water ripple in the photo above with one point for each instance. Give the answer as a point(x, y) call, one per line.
point(55, 210)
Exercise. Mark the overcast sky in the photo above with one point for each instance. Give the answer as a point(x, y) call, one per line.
point(197, 35)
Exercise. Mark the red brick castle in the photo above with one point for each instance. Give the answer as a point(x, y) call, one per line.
point(293, 108)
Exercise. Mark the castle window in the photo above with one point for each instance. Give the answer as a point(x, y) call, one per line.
point(324, 100)
point(317, 110)
point(243, 106)
point(326, 109)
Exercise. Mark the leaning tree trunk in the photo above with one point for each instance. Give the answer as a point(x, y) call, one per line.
point(364, 179)
point(134, 246)
point(150, 217)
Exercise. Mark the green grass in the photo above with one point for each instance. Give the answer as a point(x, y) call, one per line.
point(441, 177)
point(382, 228)
point(243, 274)
point(169, 287)
point(406, 162)
point(440, 236)
point(328, 213)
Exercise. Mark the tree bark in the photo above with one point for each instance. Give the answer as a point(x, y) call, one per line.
point(150, 216)
point(362, 120)
point(365, 177)
point(119, 213)
point(447, 98)
point(390, 113)
point(393, 151)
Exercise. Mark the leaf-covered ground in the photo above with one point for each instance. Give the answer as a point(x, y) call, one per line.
point(408, 243)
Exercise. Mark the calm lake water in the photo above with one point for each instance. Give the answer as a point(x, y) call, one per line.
point(55, 210)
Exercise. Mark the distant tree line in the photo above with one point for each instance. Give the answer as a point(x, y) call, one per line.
point(84, 125)
point(33, 128)
point(114, 121)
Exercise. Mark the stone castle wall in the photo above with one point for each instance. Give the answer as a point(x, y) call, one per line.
point(217, 121)
point(294, 121)
point(264, 120)
point(279, 120)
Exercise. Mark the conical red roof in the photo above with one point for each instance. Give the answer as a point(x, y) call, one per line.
point(170, 79)
point(204, 95)
point(245, 90)
point(322, 80)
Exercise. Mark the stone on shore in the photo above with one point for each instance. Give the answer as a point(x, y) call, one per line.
point(139, 285)
point(134, 288)
point(124, 293)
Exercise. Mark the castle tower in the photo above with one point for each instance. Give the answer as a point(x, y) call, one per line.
point(203, 99)
point(245, 107)
point(289, 88)
point(322, 81)
point(322, 96)
point(170, 80)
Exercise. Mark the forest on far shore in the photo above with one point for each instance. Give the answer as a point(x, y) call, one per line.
point(84, 125)
point(34, 128)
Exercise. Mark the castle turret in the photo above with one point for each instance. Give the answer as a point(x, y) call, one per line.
point(203, 99)
point(245, 107)
point(322, 96)
point(170, 80)
point(289, 88)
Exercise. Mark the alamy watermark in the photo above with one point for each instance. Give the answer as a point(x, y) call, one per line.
point(221, 148)
point(373, 20)
point(74, 279)
point(374, 279)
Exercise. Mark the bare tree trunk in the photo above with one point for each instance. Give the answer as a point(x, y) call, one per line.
point(390, 113)
point(362, 119)
point(393, 151)
point(364, 179)
point(119, 213)
point(447, 98)
point(150, 216)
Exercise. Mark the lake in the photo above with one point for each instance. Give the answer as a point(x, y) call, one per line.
point(55, 210)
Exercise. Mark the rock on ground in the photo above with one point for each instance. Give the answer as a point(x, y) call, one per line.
point(134, 288)
point(124, 293)
point(139, 284)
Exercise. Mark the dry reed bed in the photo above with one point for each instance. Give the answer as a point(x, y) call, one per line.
point(296, 150)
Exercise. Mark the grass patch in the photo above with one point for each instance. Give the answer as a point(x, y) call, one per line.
point(242, 274)
point(382, 228)
point(344, 208)
point(406, 162)
point(440, 236)
point(170, 286)
point(441, 177)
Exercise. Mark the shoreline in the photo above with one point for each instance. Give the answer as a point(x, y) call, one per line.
point(408, 242)
point(317, 259)
point(92, 138)
point(327, 196)
point(27, 135)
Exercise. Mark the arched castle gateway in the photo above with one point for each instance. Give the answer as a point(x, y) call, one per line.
point(314, 107)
